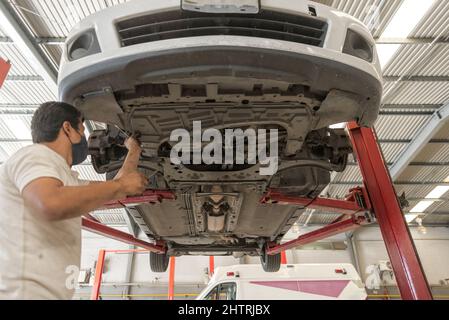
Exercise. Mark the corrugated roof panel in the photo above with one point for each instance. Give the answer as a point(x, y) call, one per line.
point(55, 18)
point(3, 155)
point(414, 191)
point(19, 64)
point(25, 92)
point(424, 173)
point(443, 133)
point(437, 206)
point(339, 191)
point(87, 172)
point(5, 130)
point(434, 24)
point(417, 92)
point(436, 219)
point(392, 151)
point(434, 152)
point(54, 52)
point(412, 57)
point(323, 218)
point(400, 127)
point(110, 218)
point(444, 206)
point(376, 14)
point(437, 64)
point(12, 147)
point(352, 173)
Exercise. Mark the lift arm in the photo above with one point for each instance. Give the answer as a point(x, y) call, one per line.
point(101, 229)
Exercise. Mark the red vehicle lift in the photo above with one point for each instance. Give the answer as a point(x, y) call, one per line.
point(376, 201)
point(5, 66)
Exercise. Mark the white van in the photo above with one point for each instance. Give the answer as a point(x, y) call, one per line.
point(292, 282)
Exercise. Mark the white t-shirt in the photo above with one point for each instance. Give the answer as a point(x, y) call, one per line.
point(35, 254)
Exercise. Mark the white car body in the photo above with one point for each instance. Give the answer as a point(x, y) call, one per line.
point(292, 282)
point(104, 24)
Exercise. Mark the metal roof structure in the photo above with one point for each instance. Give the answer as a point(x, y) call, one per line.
point(416, 91)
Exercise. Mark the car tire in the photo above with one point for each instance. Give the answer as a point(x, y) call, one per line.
point(270, 263)
point(159, 262)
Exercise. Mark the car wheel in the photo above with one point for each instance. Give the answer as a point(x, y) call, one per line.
point(159, 262)
point(270, 263)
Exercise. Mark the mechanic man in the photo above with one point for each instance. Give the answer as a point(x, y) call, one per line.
point(42, 201)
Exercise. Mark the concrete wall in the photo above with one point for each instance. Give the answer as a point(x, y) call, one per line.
point(191, 277)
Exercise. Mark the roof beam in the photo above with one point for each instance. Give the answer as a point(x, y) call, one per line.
point(439, 213)
point(406, 113)
point(40, 40)
point(411, 41)
point(433, 141)
point(417, 78)
point(14, 140)
point(399, 183)
point(24, 41)
point(24, 78)
point(18, 106)
point(437, 120)
point(415, 164)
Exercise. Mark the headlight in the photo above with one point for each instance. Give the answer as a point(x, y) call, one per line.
point(84, 45)
point(356, 45)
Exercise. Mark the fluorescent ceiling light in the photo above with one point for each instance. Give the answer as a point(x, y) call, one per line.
point(403, 23)
point(18, 128)
point(438, 192)
point(422, 206)
point(411, 217)
point(407, 18)
point(446, 180)
point(386, 53)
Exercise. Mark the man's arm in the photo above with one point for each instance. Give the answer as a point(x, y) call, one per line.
point(132, 159)
point(50, 200)
point(131, 162)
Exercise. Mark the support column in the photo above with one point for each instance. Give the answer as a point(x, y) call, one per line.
point(171, 280)
point(211, 266)
point(407, 267)
point(95, 295)
point(283, 257)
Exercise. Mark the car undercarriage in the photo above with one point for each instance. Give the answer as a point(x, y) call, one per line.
point(218, 210)
point(281, 73)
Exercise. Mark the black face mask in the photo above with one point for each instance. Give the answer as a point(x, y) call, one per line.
point(80, 150)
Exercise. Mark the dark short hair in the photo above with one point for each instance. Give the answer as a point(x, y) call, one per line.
point(49, 118)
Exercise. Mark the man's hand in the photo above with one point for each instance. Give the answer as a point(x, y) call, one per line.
point(133, 183)
point(133, 145)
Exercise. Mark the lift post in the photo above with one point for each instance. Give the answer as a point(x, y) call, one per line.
point(377, 197)
point(95, 294)
point(171, 279)
point(404, 258)
point(211, 266)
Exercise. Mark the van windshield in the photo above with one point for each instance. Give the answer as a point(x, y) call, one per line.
point(223, 291)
